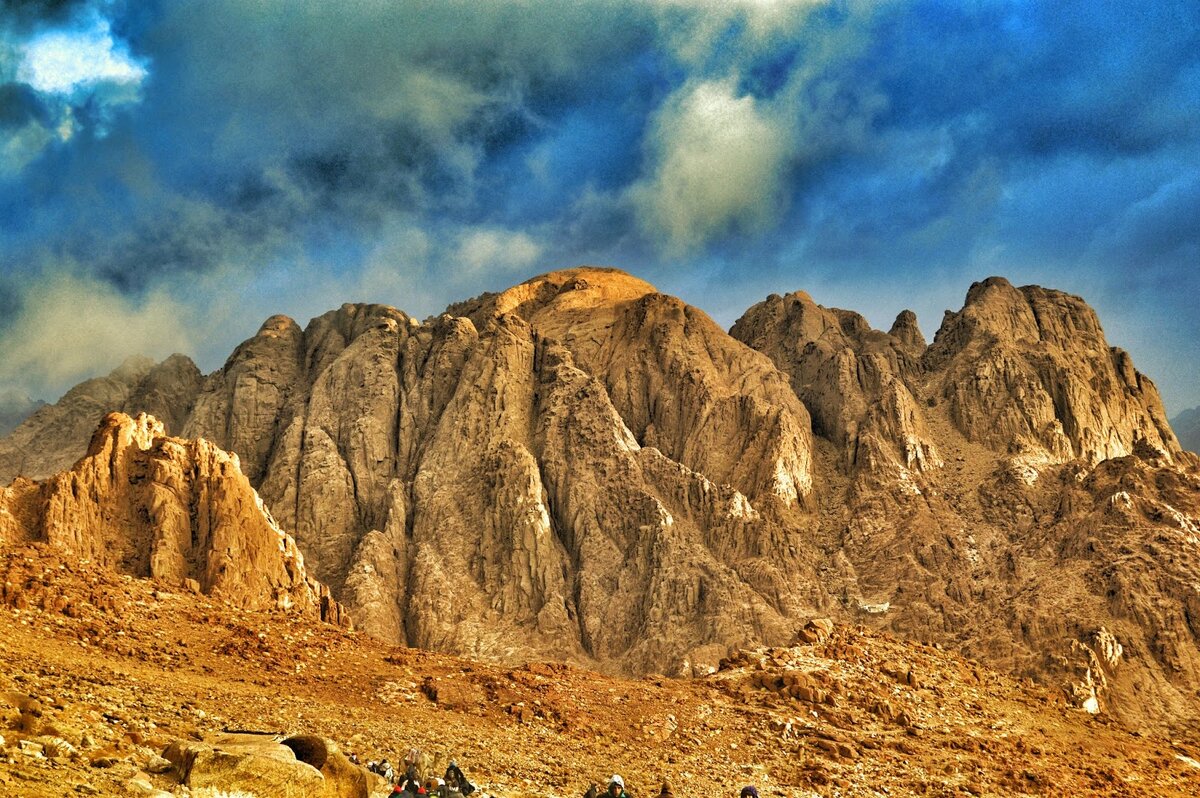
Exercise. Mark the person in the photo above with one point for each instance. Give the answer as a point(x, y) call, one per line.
point(665, 791)
point(412, 780)
point(749, 791)
point(397, 790)
point(616, 787)
point(387, 771)
point(457, 780)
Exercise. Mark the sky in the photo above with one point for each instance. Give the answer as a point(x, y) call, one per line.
point(173, 173)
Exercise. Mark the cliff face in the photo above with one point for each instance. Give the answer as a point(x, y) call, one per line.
point(1028, 371)
point(582, 468)
point(147, 505)
point(578, 468)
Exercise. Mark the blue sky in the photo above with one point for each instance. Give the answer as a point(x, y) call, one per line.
point(172, 173)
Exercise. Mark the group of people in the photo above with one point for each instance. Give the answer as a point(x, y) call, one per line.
point(453, 783)
point(616, 789)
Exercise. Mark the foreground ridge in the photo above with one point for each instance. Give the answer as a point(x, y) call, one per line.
point(845, 711)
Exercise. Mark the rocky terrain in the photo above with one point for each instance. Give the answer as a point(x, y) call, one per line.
point(1187, 426)
point(582, 469)
point(125, 694)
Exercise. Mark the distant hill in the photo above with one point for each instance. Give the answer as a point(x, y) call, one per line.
point(1187, 427)
point(14, 408)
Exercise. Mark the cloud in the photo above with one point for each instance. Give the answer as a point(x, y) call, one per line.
point(62, 61)
point(62, 71)
point(497, 250)
point(720, 164)
point(70, 327)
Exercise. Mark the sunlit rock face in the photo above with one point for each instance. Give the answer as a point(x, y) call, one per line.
point(583, 468)
point(174, 510)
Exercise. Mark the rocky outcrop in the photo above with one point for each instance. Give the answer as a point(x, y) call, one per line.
point(174, 510)
point(1028, 371)
point(853, 379)
point(267, 765)
point(56, 435)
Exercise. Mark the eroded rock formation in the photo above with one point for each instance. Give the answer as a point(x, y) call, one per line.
point(175, 510)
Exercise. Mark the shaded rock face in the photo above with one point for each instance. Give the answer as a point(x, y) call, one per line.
point(15, 407)
point(170, 509)
point(1187, 426)
point(582, 468)
point(854, 380)
point(56, 435)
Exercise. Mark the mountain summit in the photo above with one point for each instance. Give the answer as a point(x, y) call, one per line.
point(582, 468)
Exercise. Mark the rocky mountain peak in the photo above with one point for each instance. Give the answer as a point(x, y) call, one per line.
point(849, 376)
point(1028, 371)
point(905, 330)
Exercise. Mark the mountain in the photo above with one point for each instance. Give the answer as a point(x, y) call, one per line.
point(15, 407)
point(1187, 426)
point(585, 469)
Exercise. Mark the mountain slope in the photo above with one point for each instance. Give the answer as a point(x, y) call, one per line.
point(846, 712)
point(582, 468)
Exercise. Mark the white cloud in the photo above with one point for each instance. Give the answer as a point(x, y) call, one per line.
point(59, 62)
point(496, 249)
point(720, 163)
point(71, 328)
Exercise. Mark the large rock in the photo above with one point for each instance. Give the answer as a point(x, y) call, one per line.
point(174, 510)
point(268, 765)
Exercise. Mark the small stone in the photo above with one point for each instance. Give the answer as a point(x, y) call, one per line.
point(157, 764)
point(30, 748)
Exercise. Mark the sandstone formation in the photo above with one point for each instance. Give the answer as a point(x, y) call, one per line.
point(55, 436)
point(176, 511)
point(582, 468)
